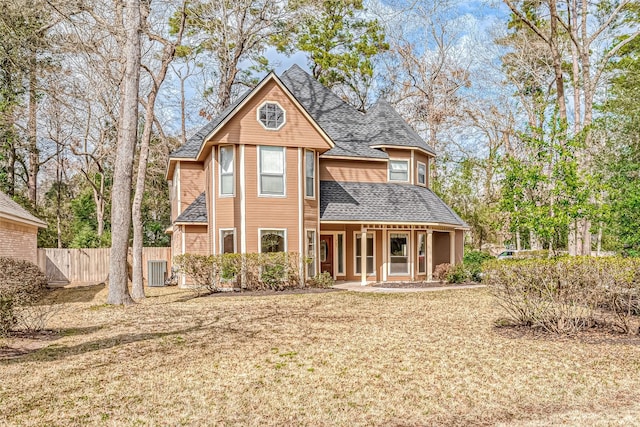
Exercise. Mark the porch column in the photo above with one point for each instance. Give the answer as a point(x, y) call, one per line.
point(385, 252)
point(429, 255)
point(363, 256)
point(452, 247)
point(412, 252)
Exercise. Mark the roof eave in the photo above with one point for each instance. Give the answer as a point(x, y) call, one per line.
point(16, 218)
point(406, 223)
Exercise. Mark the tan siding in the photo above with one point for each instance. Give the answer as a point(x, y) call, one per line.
point(459, 245)
point(352, 170)
point(395, 153)
point(244, 128)
point(271, 212)
point(18, 241)
point(419, 156)
point(441, 252)
point(196, 239)
point(191, 182)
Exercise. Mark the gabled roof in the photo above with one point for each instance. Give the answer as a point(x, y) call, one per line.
point(13, 211)
point(384, 202)
point(195, 213)
point(354, 133)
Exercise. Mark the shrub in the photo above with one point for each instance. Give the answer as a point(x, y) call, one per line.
point(457, 274)
point(22, 284)
point(322, 280)
point(473, 262)
point(568, 294)
point(441, 271)
point(200, 269)
point(273, 271)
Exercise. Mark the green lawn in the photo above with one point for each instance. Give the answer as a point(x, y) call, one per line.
point(336, 358)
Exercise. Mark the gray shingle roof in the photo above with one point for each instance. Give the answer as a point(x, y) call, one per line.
point(347, 127)
point(377, 202)
point(352, 132)
point(386, 127)
point(196, 212)
point(14, 210)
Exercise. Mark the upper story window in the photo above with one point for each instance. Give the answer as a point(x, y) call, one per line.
point(271, 169)
point(399, 170)
point(271, 115)
point(422, 173)
point(227, 181)
point(310, 173)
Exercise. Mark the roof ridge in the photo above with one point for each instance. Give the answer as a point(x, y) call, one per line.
point(314, 82)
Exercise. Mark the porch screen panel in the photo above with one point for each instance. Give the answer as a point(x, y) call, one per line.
point(370, 267)
point(422, 253)
point(399, 253)
point(340, 253)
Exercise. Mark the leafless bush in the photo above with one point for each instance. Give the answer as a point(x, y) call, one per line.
point(22, 284)
point(568, 294)
point(442, 271)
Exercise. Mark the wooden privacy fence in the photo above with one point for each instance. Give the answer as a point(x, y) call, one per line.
point(84, 266)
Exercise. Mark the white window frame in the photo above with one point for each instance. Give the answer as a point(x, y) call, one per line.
point(424, 237)
point(233, 171)
point(313, 189)
point(261, 230)
point(408, 234)
point(284, 115)
point(389, 170)
point(284, 171)
point(355, 245)
point(424, 184)
point(316, 259)
point(235, 239)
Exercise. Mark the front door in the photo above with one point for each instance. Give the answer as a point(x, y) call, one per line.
point(326, 254)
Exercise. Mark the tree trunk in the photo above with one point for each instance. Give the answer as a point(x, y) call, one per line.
point(122, 175)
point(138, 228)
point(34, 157)
point(98, 198)
point(557, 62)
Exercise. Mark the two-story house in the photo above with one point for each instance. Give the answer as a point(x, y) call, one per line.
point(290, 167)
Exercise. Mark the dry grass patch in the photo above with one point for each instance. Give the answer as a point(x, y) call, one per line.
point(312, 359)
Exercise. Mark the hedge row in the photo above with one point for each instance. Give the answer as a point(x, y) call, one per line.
point(568, 294)
point(264, 271)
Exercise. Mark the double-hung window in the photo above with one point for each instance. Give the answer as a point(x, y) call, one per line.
point(271, 165)
point(311, 253)
point(422, 173)
point(310, 174)
point(399, 170)
point(227, 182)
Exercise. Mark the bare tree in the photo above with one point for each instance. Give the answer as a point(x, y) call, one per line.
point(123, 171)
point(157, 78)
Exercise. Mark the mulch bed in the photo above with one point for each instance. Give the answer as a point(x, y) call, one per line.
point(406, 285)
point(245, 293)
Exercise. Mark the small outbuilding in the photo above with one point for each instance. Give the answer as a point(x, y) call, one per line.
point(18, 231)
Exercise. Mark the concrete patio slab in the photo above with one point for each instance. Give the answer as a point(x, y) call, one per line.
point(357, 287)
